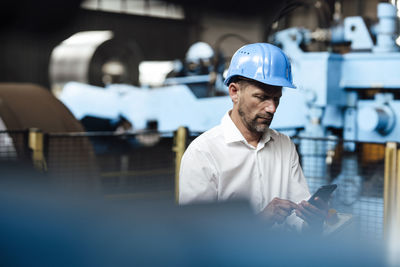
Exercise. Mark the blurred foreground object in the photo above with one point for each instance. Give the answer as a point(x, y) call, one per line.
point(44, 229)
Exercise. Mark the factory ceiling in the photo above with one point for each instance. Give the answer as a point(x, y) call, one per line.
point(37, 15)
point(271, 8)
point(49, 14)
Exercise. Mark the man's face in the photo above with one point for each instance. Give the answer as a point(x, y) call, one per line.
point(257, 105)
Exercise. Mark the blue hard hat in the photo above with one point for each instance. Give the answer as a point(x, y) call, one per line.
point(262, 62)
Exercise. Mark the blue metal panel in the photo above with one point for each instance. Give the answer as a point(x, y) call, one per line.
point(319, 73)
point(292, 111)
point(370, 70)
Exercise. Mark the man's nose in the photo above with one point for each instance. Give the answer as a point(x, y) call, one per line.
point(271, 107)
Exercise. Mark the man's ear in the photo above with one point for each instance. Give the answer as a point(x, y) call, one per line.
point(234, 91)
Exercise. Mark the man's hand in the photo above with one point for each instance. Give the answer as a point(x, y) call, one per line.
point(313, 215)
point(278, 209)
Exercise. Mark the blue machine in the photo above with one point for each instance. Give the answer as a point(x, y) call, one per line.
point(357, 91)
point(170, 106)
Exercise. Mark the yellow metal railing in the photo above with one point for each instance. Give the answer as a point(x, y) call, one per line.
point(180, 141)
point(392, 202)
point(36, 144)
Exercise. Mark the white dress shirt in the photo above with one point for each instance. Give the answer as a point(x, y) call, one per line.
point(220, 165)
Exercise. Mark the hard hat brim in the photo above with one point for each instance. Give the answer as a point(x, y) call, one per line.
point(279, 82)
point(271, 81)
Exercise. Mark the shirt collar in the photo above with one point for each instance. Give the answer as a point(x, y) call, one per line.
point(232, 133)
point(266, 136)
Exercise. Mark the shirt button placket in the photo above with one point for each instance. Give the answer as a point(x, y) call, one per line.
point(258, 190)
point(260, 178)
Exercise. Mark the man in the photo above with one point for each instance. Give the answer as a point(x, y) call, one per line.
point(242, 157)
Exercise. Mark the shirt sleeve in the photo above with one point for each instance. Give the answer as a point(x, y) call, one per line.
point(197, 177)
point(298, 189)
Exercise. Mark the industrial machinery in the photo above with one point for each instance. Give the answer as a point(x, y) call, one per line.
point(352, 94)
point(357, 92)
point(193, 95)
point(95, 57)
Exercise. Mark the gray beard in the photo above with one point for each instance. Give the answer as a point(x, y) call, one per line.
point(252, 125)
